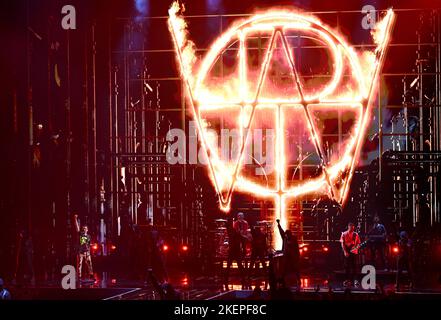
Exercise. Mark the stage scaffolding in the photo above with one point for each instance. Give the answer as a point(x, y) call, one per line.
point(148, 99)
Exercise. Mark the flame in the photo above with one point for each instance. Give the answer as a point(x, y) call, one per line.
point(242, 95)
point(185, 47)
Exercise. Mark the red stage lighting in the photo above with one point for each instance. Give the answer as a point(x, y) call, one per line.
point(165, 247)
point(94, 246)
point(184, 248)
point(325, 249)
point(304, 282)
point(305, 249)
point(395, 249)
point(113, 247)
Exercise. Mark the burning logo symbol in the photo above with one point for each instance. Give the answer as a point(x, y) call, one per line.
point(289, 72)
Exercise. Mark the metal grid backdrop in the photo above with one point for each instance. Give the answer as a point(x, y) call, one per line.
point(397, 177)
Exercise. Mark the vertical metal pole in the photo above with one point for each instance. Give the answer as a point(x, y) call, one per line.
point(115, 137)
point(417, 216)
point(128, 132)
point(95, 193)
point(68, 147)
point(85, 143)
point(115, 141)
point(110, 124)
point(437, 132)
point(432, 126)
point(380, 131)
point(421, 94)
point(49, 76)
point(30, 119)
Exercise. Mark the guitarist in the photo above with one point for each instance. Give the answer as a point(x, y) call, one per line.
point(349, 243)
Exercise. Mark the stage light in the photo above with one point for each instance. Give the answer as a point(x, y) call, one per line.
point(213, 5)
point(165, 247)
point(325, 249)
point(113, 247)
point(184, 248)
point(304, 282)
point(113, 281)
point(239, 96)
point(395, 249)
point(143, 7)
point(233, 265)
point(94, 246)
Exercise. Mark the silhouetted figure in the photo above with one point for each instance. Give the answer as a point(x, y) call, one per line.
point(51, 261)
point(235, 248)
point(257, 294)
point(258, 250)
point(291, 256)
point(154, 246)
point(377, 242)
point(404, 259)
point(419, 258)
point(24, 258)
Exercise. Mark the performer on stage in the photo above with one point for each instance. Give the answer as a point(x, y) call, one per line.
point(291, 256)
point(377, 242)
point(349, 242)
point(84, 249)
point(237, 246)
point(404, 261)
point(242, 228)
point(24, 269)
point(258, 250)
point(155, 254)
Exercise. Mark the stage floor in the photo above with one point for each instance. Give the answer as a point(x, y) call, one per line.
point(108, 286)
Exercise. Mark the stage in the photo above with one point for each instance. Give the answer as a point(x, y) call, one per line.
point(220, 150)
point(313, 288)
